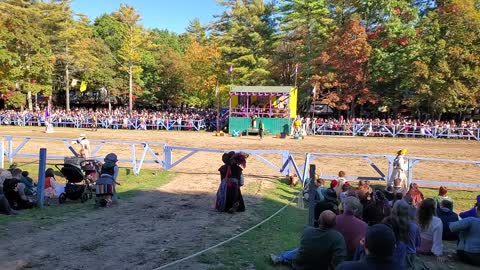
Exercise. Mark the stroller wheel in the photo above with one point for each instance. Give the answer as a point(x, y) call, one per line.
point(62, 198)
point(84, 197)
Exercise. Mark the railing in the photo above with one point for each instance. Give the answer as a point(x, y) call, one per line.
point(162, 154)
point(371, 130)
point(82, 122)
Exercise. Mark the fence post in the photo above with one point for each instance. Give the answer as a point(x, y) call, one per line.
point(41, 176)
point(285, 155)
point(410, 172)
point(10, 149)
point(390, 168)
point(167, 157)
point(311, 196)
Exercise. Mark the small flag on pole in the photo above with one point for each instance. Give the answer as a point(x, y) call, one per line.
point(74, 82)
point(83, 86)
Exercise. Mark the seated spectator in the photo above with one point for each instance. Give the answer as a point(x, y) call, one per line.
point(468, 248)
point(50, 186)
point(4, 204)
point(28, 182)
point(431, 230)
point(14, 191)
point(352, 228)
point(415, 194)
point(412, 211)
point(379, 248)
point(472, 212)
point(320, 187)
point(389, 195)
point(329, 203)
point(442, 195)
point(341, 182)
point(445, 213)
point(320, 248)
point(345, 189)
point(376, 209)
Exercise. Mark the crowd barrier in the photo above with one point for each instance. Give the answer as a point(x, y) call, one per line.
point(132, 123)
point(162, 155)
point(371, 130)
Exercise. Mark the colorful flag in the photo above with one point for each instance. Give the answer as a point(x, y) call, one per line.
point(83, 86)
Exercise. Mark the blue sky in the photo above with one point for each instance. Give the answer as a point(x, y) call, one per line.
point(173, 15)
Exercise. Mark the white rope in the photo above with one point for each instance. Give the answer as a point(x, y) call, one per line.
point(228, 240)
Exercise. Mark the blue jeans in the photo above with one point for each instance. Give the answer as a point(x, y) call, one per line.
point(287, 256)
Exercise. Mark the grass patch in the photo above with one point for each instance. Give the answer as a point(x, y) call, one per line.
point(281, 233)
point(130, 186)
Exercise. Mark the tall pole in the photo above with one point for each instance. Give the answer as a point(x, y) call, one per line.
point(218, 106)
point(41, 175)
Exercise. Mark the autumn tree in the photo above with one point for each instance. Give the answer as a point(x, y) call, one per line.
point(343, 72)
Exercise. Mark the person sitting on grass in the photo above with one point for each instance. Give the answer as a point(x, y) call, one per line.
point(14, 191)
point(445, 213)
point(379, 249)
point(431, 230)
point(415, 194)
point(352, 228)
point(320, 248)
point(4, 204)
point(50, 186)
point(472, 212)
point(442, 195)
point(468, 247)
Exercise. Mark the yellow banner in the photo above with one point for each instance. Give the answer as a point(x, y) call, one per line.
point(293, 103)
point(83, 86)
point(234, 101)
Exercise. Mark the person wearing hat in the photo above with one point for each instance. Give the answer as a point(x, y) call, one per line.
point(400, 168)
point(105, 185)
point(84, 145)
point(329, 202)
point(379, 248)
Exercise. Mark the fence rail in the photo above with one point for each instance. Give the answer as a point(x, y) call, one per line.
point(163, 155)
point(383, 130)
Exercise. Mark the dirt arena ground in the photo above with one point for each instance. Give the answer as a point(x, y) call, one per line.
point(176, 219)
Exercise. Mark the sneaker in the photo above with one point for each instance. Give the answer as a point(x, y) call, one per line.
point(275, 259)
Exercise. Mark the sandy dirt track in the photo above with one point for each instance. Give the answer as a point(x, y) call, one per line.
point(177, 219)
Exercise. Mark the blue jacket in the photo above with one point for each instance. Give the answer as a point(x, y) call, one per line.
point(469, 237)
point(470, 213)
point(447, 216)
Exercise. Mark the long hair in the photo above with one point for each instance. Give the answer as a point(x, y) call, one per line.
point(425, 213)
point(399, 220)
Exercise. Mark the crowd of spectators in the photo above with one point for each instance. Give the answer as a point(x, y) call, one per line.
point(389, 127)
point(364, 227)
point(120, 118)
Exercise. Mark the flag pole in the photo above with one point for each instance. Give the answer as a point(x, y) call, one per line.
point(218, 107)
point(296, 73)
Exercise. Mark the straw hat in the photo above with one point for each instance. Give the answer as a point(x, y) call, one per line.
point(402, 151)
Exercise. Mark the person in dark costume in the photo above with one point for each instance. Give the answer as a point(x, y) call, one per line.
point(229, 196)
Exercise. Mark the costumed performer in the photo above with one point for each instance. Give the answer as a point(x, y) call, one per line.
point(400, 168)
point(229, 197)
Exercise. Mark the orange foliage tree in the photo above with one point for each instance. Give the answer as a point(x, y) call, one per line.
point(342, 69)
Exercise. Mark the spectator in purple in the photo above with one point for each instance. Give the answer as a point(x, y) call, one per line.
point(352, 228)
point(472, 212)
point(445, 213)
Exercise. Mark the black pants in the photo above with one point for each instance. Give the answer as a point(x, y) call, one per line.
point(468, 257)
point(260, 132)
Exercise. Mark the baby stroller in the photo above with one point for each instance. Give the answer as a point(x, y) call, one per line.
point(81, 175)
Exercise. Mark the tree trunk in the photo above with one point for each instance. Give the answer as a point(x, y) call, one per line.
point(130, 88)
point(29, 100)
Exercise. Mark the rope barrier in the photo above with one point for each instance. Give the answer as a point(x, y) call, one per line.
point(229, 239)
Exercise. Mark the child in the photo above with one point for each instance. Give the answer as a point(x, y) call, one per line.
point(50, 186)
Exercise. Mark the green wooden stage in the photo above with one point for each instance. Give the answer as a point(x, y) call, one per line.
point(271, 125)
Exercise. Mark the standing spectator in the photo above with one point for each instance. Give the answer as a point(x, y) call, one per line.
point(352, 228)
point(431, 230)
point(472, 212)
point(468, 248)
point(445, 213)
point(260, 129)
point(320, 248)
point(379, 248)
